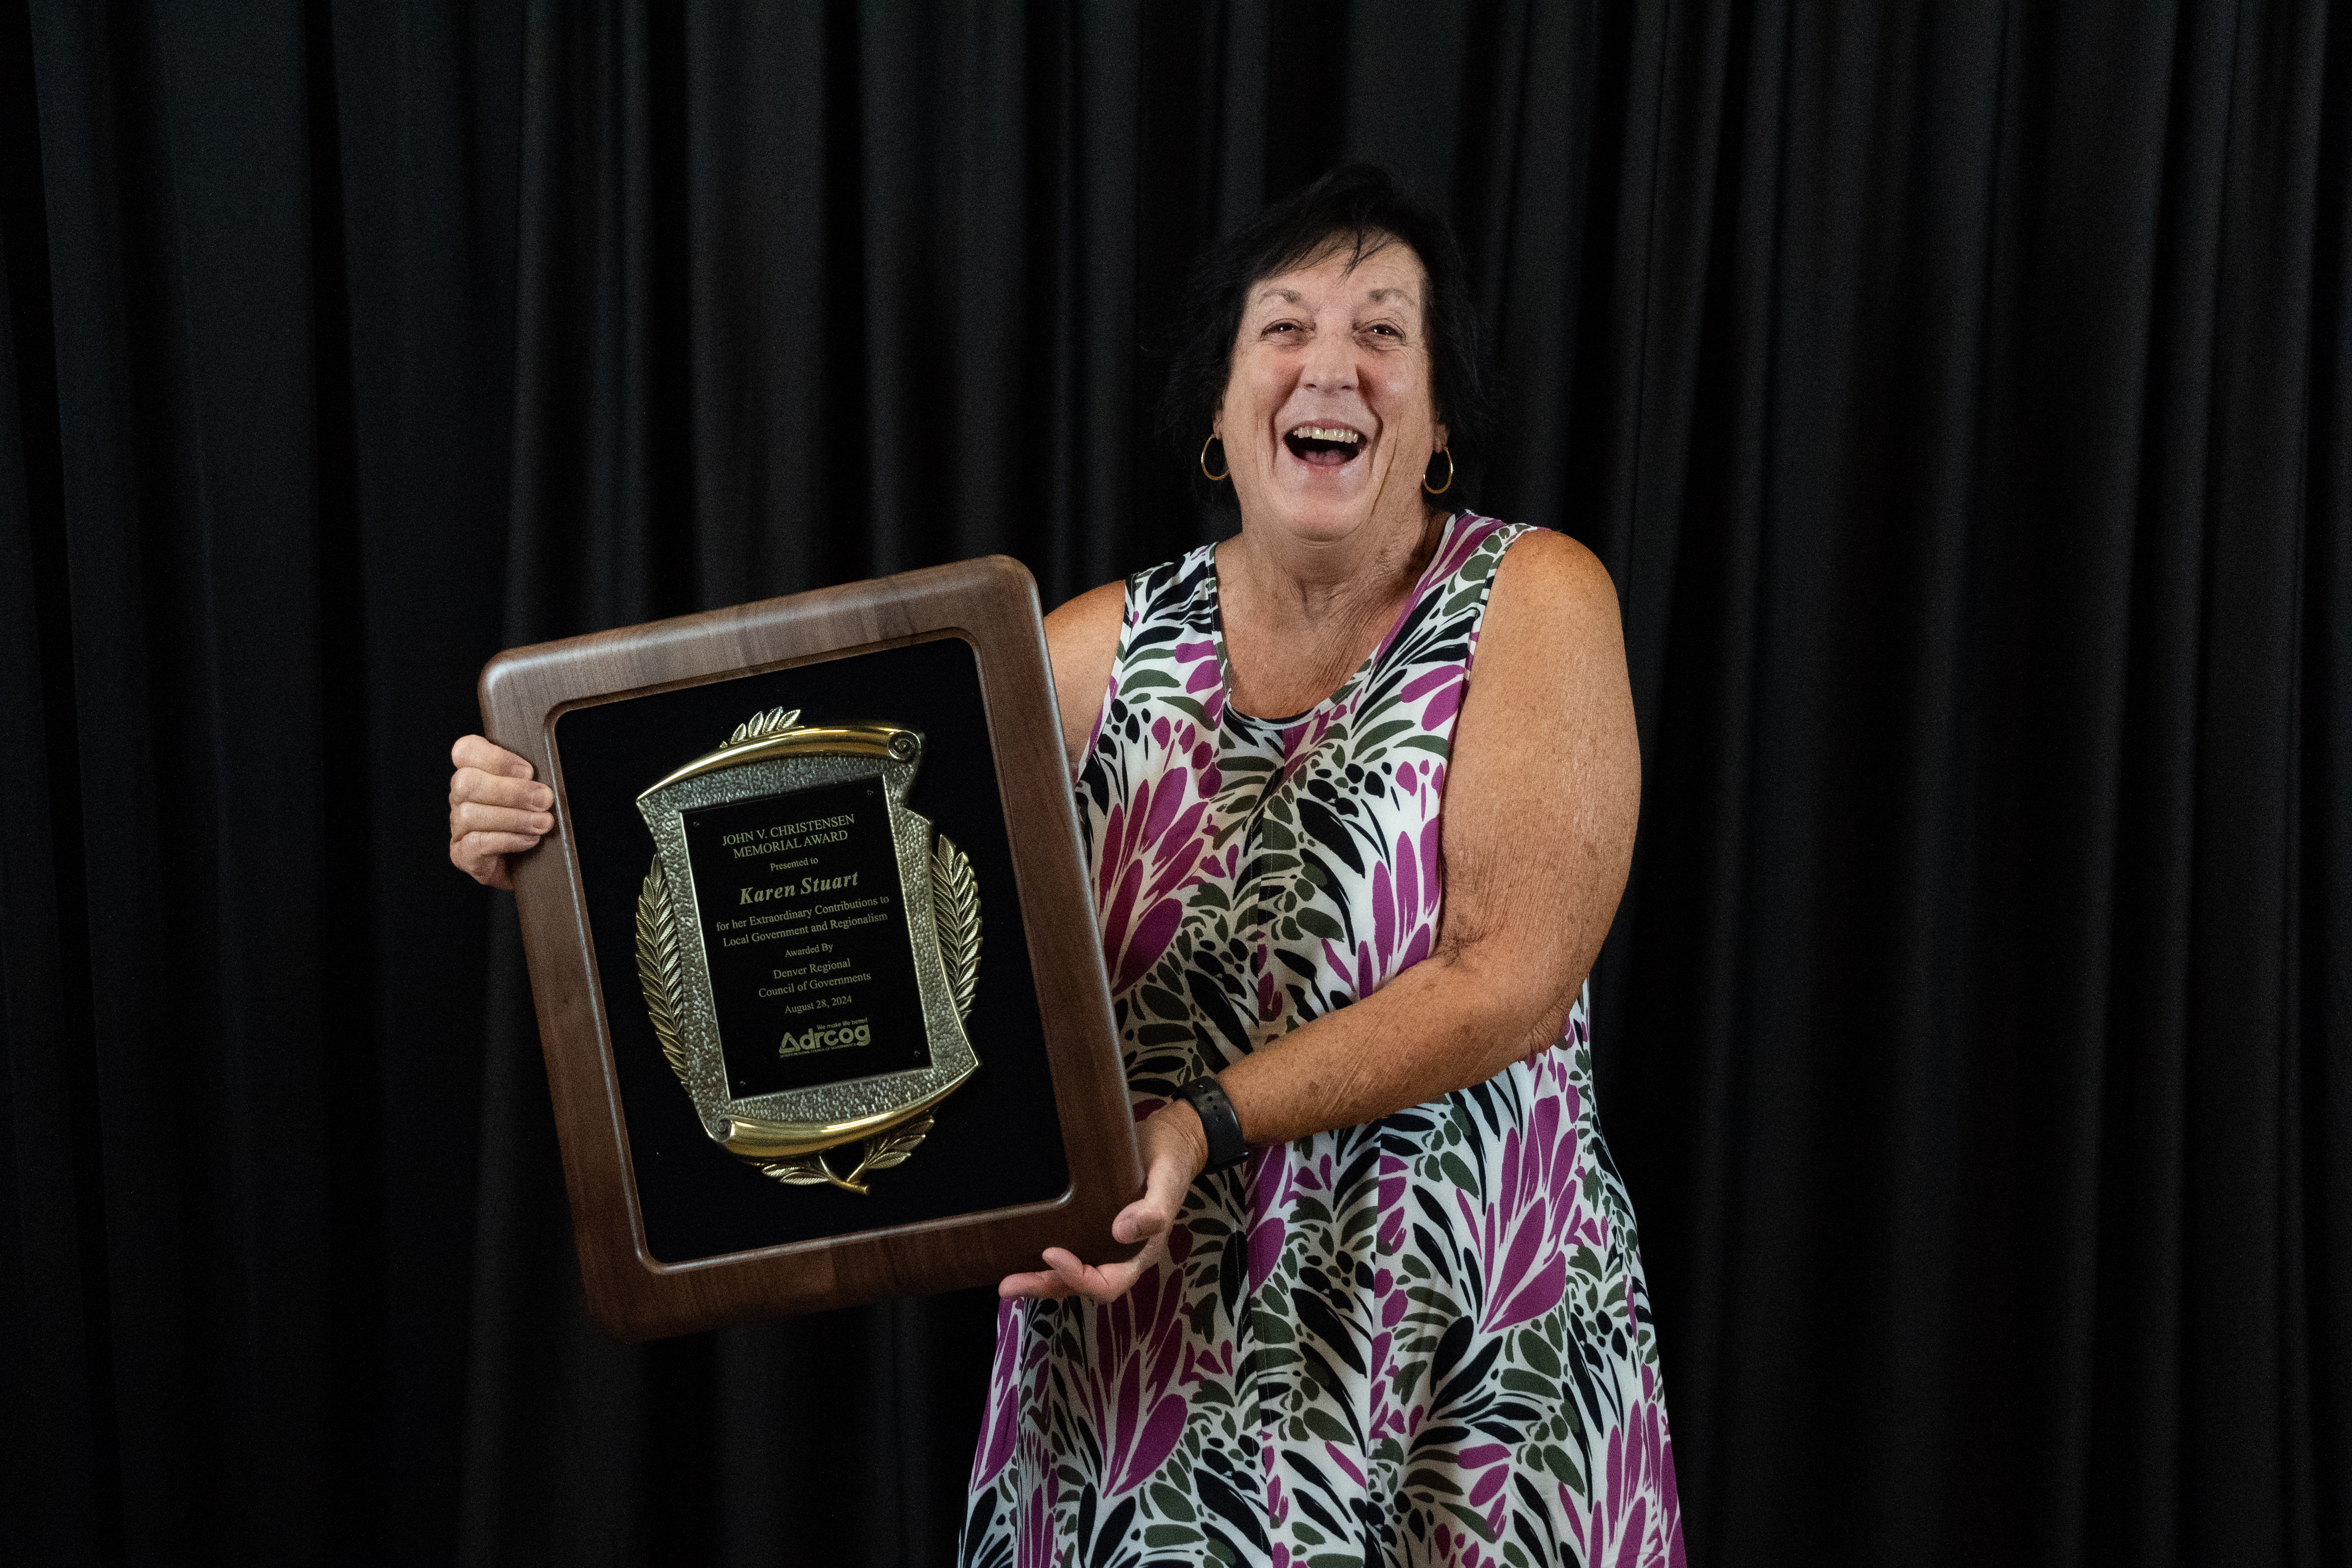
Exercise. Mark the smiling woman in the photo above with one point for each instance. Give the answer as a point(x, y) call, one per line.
point(1416, 296)
point(1388, 1305)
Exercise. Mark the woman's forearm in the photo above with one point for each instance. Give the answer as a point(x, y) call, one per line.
point(1445, 1022)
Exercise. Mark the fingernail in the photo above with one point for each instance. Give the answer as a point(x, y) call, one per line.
point(542, 822)
point(543, 797)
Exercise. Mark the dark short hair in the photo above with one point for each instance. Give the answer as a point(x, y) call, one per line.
point(1358, 206)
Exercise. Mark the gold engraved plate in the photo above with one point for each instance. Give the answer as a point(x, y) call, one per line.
point(808, 946)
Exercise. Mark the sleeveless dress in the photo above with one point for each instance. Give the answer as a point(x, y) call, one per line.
point(1420, 1341)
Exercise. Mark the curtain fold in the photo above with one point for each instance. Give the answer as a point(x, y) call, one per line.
point(1956, 393)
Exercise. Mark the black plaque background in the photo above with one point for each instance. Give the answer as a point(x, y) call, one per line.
point(997, 1142)
point(750, 1028)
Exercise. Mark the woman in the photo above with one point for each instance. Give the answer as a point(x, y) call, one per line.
point(1348, 897)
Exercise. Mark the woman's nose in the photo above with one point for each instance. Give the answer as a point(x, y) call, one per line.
point(1330, 363)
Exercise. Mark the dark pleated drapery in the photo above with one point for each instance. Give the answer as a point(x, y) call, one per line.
point(1957, 393)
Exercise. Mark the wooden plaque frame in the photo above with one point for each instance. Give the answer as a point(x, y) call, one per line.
point(990, 604)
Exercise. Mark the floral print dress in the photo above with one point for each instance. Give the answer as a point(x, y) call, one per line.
point(1420, 1341)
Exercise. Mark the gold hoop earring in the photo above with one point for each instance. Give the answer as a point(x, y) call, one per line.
point(1213, 478)
point(1449, 473)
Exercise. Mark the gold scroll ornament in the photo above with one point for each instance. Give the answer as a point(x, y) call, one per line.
point(789, 1135)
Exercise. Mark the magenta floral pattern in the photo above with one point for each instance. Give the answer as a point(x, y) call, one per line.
point(1422, 1340)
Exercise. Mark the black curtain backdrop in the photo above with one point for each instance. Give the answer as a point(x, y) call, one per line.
point(1956, 392)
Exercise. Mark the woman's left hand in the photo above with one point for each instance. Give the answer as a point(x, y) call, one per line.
point(1174, 1149)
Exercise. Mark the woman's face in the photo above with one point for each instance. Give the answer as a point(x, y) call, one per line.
point(1327, 420)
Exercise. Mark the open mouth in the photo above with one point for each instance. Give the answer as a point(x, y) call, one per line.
point(1324, 446)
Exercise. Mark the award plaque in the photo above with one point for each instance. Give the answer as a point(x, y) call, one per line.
point(813, 951)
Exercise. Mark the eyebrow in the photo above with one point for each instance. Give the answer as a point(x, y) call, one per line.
point(1295, 298)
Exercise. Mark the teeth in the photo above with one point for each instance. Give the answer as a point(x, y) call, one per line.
point(1327, 433)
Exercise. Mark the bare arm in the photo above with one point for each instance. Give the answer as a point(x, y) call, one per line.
point(1082, 641)
point(1541, 799)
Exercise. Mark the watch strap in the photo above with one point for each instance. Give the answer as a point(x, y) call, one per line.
point(1207, 1097)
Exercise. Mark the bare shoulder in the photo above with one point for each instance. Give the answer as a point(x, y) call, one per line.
point(1551, 643)
point(1082, 642)
point(1548, 707)
point(1552, 592)
point(1082, 635)
point(1092, 617)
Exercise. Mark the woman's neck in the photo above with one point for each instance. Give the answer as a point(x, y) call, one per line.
point(1301, 615)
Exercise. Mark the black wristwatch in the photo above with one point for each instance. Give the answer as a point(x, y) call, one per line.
point(1206, 1096)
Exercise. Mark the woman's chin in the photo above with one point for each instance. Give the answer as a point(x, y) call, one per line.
point(1323, 522)
point(1317, 511)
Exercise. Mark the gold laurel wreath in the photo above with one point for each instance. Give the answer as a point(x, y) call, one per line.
point(658, 967)
point(759, 726)
point(880, 1153)
point(955, 911)
point(955, 914)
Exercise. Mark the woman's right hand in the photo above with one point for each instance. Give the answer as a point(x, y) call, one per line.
point(494, 810)
point(1174, 1149)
